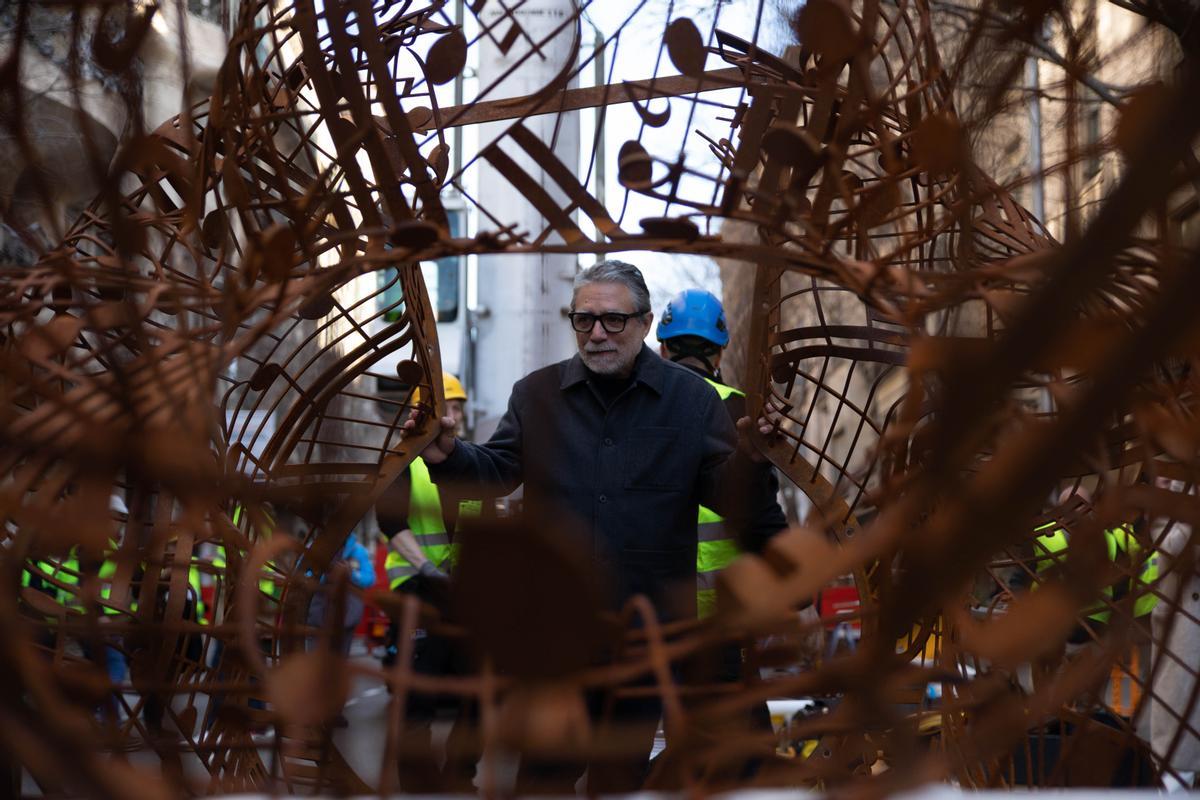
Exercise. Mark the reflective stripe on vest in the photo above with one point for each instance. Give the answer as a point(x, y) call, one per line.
point(436, 547)
point(270, 581)
point(715, 550)
point(108, 571)
point(270, 587)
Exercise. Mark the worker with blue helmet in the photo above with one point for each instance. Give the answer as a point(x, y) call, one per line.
point(692, 326)
point(692, 332)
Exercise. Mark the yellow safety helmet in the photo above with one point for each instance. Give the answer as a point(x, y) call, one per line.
point(451, 385)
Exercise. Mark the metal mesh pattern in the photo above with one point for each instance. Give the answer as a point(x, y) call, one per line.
point(189, 400)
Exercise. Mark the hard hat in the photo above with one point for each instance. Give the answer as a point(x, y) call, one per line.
point(451, 385)
point(694, 312)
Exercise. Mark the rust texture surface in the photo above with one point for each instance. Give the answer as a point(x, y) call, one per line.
point(188, 400)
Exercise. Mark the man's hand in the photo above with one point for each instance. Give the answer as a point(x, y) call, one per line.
point(441, 447)
point(766, 429)
point(405, 544)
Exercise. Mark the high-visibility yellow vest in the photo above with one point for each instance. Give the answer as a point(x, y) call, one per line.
point(427, 524)
point(269, 586)
point(1051, 548)
point(715, 550)
point(67, 571)
point(64, 570)
point(107, 570)
point(237, 518)
point(194, 583)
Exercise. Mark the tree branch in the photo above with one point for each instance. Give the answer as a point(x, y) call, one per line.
point(1110, 93)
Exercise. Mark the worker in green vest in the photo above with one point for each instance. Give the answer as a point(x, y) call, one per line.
point(1050, 548)
point(418, 520)
point(258, 522)
point(415, 504)
point(52, 576)
point(692, 332)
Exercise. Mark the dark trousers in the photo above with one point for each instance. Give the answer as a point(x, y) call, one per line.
point(417, 763)
point(689, 753)
point(624, 729)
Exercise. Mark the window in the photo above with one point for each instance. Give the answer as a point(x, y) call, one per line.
point(449, 272)
point(442, 278)
point(1091, 142)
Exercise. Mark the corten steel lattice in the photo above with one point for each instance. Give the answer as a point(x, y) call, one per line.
point(936, 365)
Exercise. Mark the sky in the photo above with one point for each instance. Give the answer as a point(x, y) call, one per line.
point(635, 51)
point(640, 44)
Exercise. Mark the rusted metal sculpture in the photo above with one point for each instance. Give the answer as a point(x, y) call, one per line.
point(936, 364)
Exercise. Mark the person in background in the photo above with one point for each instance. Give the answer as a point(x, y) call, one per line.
point(418, 520)
point(357, 560)
point(692, 333)
point(415, 504)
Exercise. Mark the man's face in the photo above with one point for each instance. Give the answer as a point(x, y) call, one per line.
point(457, 410)
point(607, 353)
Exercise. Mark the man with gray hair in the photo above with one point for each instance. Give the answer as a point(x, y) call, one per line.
point(622, 446)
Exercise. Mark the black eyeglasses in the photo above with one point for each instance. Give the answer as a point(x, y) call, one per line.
point(612, 321)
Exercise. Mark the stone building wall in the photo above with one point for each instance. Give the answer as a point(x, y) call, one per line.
point(153, 90)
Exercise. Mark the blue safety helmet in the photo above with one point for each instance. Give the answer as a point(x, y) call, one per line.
point(694, 312)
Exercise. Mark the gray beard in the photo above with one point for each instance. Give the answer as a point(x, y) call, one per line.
point(607, 366)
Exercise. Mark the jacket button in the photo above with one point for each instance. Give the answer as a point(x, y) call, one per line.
point(603, 498)
point(608, 442)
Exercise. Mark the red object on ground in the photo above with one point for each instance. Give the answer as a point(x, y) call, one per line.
point(836, 601)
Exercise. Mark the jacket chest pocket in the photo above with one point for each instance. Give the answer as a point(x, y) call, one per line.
point(654, 460)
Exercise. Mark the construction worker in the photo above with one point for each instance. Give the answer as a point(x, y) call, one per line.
point(692, 332)
point(63, 579)
point(416, 505)
point(417, 520)
point(1121, 545)
point(259, 522)
point(357, 561)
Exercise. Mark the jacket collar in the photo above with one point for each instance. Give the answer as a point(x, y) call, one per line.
point(648, 369)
